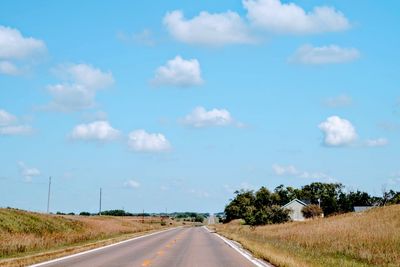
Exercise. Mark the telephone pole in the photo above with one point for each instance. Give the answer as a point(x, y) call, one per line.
point(100, 203)
point(48, 196)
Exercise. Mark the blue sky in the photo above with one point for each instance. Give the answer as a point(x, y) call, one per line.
point(176, 104)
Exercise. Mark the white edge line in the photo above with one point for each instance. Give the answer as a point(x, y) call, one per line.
point(100, 248)
point(243, 252)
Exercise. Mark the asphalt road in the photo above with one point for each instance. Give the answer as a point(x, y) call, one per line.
point(182, 247)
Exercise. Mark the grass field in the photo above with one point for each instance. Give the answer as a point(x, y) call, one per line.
point(25, 233)
point(371, 238)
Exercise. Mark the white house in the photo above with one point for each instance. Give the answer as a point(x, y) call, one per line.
point(295, 207)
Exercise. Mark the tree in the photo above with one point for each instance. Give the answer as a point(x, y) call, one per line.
point(311, 211)
point(327, 193)
point(241, 206)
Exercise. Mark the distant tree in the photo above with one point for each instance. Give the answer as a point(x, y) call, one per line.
point(84, 213)
point(311, 211)
point(348, 201)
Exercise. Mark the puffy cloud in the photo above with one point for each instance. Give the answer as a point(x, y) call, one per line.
point(6, 118)
point(15, 46)
point(86, 75)
point(142, 141)
point(132, 184)
point(27, 172)
point(331, 54)
point(71, 97)
point(282, 170)
point(377, 142)
point(80, 92)
point(208, 29)
point(9, 125)
point(275, 16)
point(97, 131)
point(179, 72)
point(200, 117)
point(338, 131)
point(338, 101)
point(8, 68)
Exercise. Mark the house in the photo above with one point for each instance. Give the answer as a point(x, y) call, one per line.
point(295, 206)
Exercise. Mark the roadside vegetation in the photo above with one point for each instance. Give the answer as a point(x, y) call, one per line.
point(369, 238)
point(25, 233)
point(264, 207)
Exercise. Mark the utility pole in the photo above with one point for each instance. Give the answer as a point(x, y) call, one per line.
point(100, 203)
point(48, 196)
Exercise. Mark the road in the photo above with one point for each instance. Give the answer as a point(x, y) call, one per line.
point(181, 247)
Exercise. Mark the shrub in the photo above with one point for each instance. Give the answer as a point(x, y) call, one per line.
point(311, 211)
point(84, 213)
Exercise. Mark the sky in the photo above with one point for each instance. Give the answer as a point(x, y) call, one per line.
point(176, 104)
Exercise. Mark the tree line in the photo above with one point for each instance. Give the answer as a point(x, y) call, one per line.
point(265, 207)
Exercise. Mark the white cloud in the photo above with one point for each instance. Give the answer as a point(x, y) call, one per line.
point(80, 91)
point(179, 72)
point(282, 170)
point(71, 97)
point(290, 170)
point(275, 16)
point(142, 141)
point(338, 131)
point(16, 130)
point(208, 29)
point(86, 75)
point(98, 131)
point(27, 172)
point(132, 184)
point(331, 54)
point(15, 46)
point(9, 125)
point(200, 117)
point(377, 142)
point(8, 68)
point(6, 118)
point(338, 101)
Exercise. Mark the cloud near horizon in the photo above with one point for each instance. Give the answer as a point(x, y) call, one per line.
point(9, 125)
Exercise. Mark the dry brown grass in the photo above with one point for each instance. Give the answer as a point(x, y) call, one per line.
point(26, 234)
point(371, 238)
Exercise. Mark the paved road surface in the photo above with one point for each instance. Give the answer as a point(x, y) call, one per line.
point(182, 247)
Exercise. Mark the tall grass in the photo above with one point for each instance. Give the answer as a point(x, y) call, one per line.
point(371, 238)
point(24, 232)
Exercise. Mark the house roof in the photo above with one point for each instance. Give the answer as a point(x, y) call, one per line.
point(295, 200)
